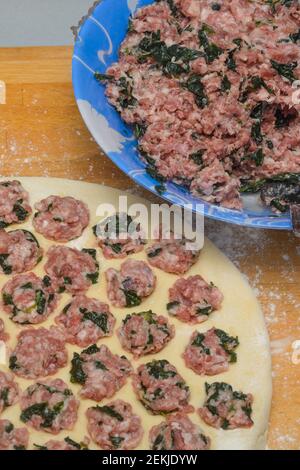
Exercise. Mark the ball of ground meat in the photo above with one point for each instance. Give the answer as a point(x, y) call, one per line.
point(28, 299)
point(14, 203)
point(100, 372)
point(38, 353)
point(66, 444)
point(160, 388)
point(119, 236)
point(172, 255)
point(114, 426)
point(19, 251)
point(12, 438)
point(128, 287)
point(145, 333)
point(9, 391)
point(192, 299)
point(86, 321)
point(49, 406)
point(225, 408)
point(178, 432)
point(61, 218)
point(72, 270)
point(211, 352)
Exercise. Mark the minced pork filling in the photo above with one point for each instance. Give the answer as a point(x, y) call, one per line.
point(210, 87)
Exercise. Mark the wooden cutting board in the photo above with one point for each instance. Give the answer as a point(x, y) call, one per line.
point(42, 134)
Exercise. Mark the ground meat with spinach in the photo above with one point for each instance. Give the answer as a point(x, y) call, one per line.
point(178, 432)
point(20, 251)
point(38, 353)
point(211, 352)
point(100, 372)
point(9, 391)
point(67, 444)
point(61, 218)
point(160, 388)
point(71, 270)
point(14, 203)
point(145, 333)
point(49, 406)
point(119, 236)
point(27, 299)
point(210, 93)
point(192, 300)
point(172, 255)
point(114, 426)
point(86, 320)
point(12, 438)
point(226, 408)
point(131, 284)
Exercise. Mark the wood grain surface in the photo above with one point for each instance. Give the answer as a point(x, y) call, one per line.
point(42, 134)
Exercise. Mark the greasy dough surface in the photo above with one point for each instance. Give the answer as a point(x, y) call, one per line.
point(240, 316)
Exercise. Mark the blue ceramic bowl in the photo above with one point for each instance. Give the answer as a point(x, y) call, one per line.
point(96, 48)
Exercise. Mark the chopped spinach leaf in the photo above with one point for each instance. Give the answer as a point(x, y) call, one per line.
point(3, 224)
point(43, 410)
point(6, 268)
point(100, 365)
point(258, 82)
point(154, 253)
point(93, 277)
point(9, 428)
point(72, 443)
point(7, 299)
point(116, 441)
point(225, 84)
point(159, 443)
point(228, 343)
point(116, 247)
point(110, 411)
point(295, 37)
point(204, 310)
point(132, 299)
point(41, 301)
point(99, 319)
point(197, 156)
point(160, 189)
point(19, 210)
point(285, 70)
point(102, 77)
point(256, 132)
point(47, 281)
point(173, 59)
point(13, 363)
point(211, 50)
point(76, 372)
point(230, 60)
point(257, 157)
point(139, 130)
point(93, 349)
point(153, 172)
point(171, 305)
point(283, 119)
point(4, 396)
point(157, 369)
point(126, 98)
point(278, 205)
point(195, 86)
point(198, 342)
point(258, 110)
